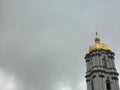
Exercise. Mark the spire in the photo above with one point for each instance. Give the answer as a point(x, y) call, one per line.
point(97, 39)
point(96, 33)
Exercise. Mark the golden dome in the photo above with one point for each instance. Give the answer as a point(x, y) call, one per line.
point(98, 45)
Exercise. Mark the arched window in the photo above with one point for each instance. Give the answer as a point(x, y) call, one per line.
point(104, 62)
point(108, 86)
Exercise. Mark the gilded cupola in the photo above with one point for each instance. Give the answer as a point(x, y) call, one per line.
point(98, 45)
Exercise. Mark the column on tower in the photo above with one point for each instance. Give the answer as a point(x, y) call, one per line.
point(87, 64)
point(113, 63)
point(107, 61)
point(112, 84)
point(97, 61)
point(110, 61)
point(117, 85)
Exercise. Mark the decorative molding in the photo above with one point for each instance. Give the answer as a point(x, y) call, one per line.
point(94, 76)
point(87, 80)
point(98, 52)
point(87, 60)
point(102, 76)
point(115, 78)
point(102, 71)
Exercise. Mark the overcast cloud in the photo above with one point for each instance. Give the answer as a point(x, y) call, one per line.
point(43, 42)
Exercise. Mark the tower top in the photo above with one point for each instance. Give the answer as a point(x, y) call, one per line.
point(98, 45)
point(97, 38)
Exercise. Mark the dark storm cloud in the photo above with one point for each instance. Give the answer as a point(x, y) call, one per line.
point(44, 42)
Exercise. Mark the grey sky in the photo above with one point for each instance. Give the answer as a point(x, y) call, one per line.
point(43, 42)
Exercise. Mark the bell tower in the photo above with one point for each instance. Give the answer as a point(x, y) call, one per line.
point(101, 72)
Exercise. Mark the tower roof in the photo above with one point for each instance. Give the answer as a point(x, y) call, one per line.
point(98, 45)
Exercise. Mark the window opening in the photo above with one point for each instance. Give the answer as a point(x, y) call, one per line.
point(108, 86)
point(104, 62)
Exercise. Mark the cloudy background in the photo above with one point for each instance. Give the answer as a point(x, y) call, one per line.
point(43, 42)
